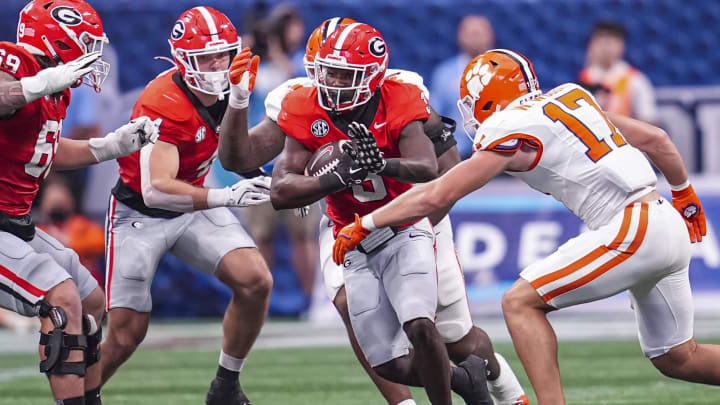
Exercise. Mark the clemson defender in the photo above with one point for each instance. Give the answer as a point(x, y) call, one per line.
point(563, 144)
point(59, 45)
point(159, 204)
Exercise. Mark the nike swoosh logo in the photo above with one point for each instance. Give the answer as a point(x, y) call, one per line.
point(378, 125)
point(327, 151)
point(353, 171)
point(415, 235)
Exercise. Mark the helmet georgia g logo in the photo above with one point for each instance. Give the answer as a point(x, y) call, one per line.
point(377, 47)
point(66, 15)
point(178, 30)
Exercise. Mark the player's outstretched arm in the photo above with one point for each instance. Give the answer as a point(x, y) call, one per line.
point(662, 152)
point(656, 143)
point(125, 140)
point(290, 187)
point(418, 163)
point(425, 199)
point(159, 167)
point(241, 150)
point(15, 94)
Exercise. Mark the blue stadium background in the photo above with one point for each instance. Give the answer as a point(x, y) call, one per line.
point(673, 42)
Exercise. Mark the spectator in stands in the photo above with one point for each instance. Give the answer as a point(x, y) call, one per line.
point(631, 93)
point(58, 217)
point(475, 36)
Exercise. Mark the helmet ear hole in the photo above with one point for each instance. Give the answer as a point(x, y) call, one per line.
point(47, 5)
point(487, 106)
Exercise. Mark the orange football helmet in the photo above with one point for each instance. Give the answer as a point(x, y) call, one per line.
point(317, 38)
point(490, 82)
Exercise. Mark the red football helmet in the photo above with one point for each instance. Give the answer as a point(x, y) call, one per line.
point(203, 31)
point(317, 38)
point(350, 65)
point(490, 82)
point(64, 30)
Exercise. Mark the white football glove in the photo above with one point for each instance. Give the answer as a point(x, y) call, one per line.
point(55, 79)
point(246, 192)
point(125, 140)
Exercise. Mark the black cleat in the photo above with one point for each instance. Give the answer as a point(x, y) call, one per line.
point(226, 392)
point(469, 380)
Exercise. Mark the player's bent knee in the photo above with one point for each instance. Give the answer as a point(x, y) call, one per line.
point(66, 296)
point(420, 331)
point(59, 344)
point(389, 370)
point(94, 304)
point(672, 363)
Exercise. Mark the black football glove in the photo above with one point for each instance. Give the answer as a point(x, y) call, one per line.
point(348, 170)
point(368, 155)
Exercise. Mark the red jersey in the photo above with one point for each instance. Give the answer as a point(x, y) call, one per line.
point(302, 118)
point(28, 140)
point(166, 100)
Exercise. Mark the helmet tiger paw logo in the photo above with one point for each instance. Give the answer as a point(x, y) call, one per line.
point(478, 77)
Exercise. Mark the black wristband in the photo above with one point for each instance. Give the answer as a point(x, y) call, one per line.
point(331, 182)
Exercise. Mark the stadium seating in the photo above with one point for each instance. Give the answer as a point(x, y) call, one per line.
point(669, 40)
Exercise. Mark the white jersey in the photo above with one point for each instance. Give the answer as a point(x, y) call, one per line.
point(273, 101)
point(583, 160)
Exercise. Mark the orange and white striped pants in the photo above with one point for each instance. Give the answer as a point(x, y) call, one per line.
point(644, 249)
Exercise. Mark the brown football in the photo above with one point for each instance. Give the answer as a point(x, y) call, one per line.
point(326, 159)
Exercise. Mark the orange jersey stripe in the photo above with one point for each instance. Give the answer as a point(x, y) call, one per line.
point(634, 245)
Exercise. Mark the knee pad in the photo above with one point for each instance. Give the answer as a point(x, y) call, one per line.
point(93, 331)
point(59, 344)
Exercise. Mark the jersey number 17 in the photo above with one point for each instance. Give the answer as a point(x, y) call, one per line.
point(597, 143)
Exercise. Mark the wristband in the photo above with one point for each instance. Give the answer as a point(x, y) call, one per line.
point(33, 88)
point(368, 222)
point(682, 186)
point(218, 197)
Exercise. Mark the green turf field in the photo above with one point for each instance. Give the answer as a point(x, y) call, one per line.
point(593, 373)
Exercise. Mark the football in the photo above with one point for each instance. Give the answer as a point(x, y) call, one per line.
point(326, 159)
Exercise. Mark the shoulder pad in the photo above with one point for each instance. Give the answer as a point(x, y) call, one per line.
point(409, 77)
point(17, 61)
point(274, 99)
point(163, 97)
point(302, 101)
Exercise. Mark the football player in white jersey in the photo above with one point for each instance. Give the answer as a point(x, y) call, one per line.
point(242, 151)
point(561, 143)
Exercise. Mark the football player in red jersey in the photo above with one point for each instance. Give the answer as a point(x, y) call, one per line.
point(159, 205)
point(242, 149)
point(392, 287)
point(59, 45)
